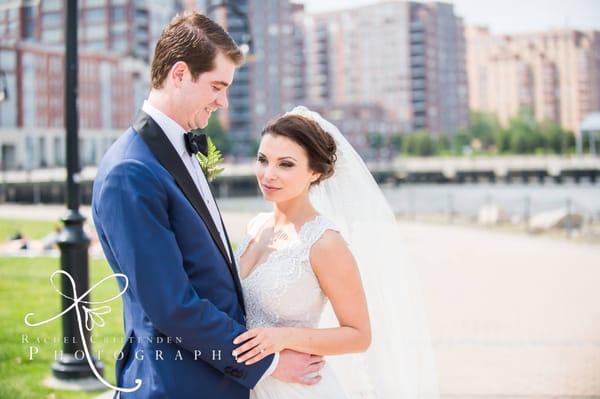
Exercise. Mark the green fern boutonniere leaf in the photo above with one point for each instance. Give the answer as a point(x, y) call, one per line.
point(211, 162)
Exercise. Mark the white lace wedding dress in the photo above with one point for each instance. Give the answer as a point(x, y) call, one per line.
point(283, 291)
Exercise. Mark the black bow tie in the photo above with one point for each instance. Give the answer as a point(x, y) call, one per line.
point(195, 143)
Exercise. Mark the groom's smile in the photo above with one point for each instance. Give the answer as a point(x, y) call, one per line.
point(208, 93)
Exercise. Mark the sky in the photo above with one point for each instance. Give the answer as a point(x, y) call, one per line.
point(503, 16)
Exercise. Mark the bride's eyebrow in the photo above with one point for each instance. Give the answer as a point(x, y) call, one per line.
point(260, 154)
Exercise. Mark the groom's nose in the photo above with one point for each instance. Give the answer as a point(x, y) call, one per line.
point(222, 100)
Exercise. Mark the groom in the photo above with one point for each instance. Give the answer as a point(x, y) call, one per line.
point(159, 225)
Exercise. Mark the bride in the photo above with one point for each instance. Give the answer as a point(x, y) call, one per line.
point(331, 238)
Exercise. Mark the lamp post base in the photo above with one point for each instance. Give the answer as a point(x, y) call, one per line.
point(69, 368)
point(84, 384)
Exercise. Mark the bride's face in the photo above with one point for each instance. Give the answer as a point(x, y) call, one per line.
point(282, 169)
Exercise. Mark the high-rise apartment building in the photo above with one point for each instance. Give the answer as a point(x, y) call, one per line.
point(237, 119)
point(406, 57)
point(277, 65)
point(439, 92)
point(555, 74)
point(272, 79)
point(360, 55)
point(32, 117)
point(115, 37)
point(125, 27)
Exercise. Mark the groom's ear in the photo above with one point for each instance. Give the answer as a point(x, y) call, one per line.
point(177, 73)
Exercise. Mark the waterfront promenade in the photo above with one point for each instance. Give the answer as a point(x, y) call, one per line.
point(511, 315)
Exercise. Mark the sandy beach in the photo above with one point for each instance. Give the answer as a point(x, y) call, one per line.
point(510, 315)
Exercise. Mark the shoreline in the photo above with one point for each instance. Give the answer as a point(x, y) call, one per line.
point(236, 222)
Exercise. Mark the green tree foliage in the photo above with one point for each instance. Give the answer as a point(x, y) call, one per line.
point(218, 135)
point(485, 135)
point(485, 128)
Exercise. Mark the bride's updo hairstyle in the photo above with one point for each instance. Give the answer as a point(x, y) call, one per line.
point(318, 144)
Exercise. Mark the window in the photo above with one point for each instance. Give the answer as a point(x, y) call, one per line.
point(52, 5)
point(59, 159)
point(95, 15)
point(52, 35)
point(117, 13)
point(53, 19)
point(42, 161)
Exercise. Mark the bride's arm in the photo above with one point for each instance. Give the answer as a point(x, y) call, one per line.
point(336, 269)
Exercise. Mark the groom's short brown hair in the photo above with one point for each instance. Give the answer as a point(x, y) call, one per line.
point(194, 39)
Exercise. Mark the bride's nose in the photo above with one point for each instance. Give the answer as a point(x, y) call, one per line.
point(270, 173)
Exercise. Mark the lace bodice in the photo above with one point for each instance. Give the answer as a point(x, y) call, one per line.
point(283, 290)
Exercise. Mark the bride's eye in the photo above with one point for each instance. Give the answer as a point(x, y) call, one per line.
point(287, 164)
point(261, 160)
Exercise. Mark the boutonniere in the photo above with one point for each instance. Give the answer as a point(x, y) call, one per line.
point(211, 161)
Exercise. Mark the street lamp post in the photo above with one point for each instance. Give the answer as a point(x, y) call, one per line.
point(72, 366)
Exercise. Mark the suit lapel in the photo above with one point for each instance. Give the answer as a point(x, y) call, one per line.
point(163, 150)
point(236, 277)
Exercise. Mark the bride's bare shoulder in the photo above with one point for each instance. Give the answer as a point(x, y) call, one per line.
point(257, 222)
point(330, 248)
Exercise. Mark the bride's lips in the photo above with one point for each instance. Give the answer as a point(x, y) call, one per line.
point(269, 189)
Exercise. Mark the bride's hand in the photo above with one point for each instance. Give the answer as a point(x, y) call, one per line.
point(259, 343)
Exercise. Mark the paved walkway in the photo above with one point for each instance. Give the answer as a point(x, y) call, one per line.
point(510, 315)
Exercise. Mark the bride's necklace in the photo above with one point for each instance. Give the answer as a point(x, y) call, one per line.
point(278, 236)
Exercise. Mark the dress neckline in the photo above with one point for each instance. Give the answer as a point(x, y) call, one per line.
point(249, 238)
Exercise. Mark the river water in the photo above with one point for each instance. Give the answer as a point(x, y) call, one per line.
point(467, 199)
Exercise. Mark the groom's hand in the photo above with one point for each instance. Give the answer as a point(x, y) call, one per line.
point(297, 367)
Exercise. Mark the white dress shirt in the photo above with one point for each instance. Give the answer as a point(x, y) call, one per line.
point(175, 133)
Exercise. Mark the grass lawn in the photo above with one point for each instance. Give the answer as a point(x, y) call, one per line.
point(31, 229)
point(25, 287)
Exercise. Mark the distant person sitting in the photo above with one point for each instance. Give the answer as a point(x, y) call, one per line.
point(49, 241)
point(16, 236)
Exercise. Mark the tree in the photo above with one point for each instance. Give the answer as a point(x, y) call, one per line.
point(485, 127)
point(376, 142)
point(460, 143)
point(218, 135)
point(421, 143)
point(397, 142)
point(523, 135)
point(503, 141)
point(443, 144)
point(557, 139)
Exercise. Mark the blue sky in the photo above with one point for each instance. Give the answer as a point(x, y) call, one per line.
point(505, 16)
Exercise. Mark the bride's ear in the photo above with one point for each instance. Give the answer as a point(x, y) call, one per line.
point(315, 177)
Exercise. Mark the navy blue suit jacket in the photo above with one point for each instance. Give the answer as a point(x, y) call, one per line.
point(184, 305)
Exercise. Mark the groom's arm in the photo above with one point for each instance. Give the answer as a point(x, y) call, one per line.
point(132, 209)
